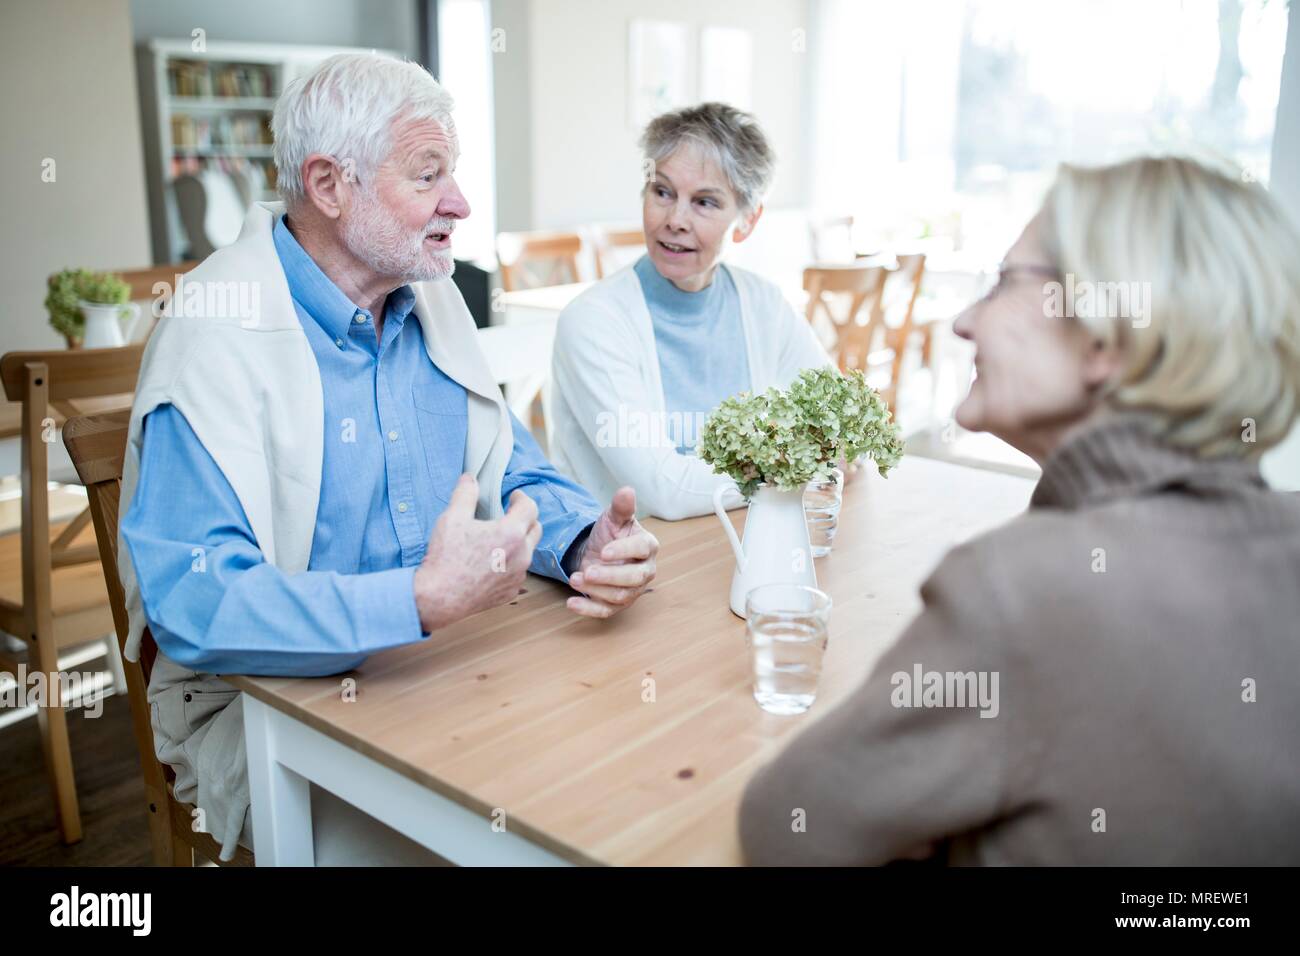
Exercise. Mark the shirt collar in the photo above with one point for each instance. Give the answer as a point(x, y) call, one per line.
point(320, 297)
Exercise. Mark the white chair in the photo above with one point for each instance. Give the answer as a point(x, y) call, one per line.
point(519, 357)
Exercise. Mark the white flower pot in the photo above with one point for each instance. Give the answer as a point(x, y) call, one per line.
point(104, 324)
point(775, 549)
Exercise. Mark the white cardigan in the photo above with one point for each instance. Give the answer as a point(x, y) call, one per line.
point(250, 388)
point(605, 357)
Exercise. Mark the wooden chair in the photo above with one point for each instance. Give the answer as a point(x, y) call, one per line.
point(519, 253)
point(909, 274)
point(864, 286)
point(97, 444)
point(609, 241)
point(143, 281)
point(51, 594)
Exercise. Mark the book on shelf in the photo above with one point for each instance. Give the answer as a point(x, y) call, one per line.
point(221, 132)
point(202, 80)
point(189, 78)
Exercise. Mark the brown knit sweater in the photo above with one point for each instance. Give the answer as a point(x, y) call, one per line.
point(1143, 620)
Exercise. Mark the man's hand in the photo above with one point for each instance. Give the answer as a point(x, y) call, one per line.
point(473, 565)
point(618, 560)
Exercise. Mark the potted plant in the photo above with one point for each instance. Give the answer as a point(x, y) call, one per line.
point(86, 308)
point(772, 445)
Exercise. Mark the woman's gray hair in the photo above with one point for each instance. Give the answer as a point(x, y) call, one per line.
point(731, 137)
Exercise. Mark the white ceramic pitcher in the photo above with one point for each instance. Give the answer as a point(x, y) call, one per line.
point(104, 324)
point(775, 549)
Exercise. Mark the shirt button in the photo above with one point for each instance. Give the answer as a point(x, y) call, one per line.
point(392, 436)
point(401, 506)
point(339, 343)
point(360, 319)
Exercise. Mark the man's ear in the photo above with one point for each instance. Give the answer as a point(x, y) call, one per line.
point(746, 225)
point(324, 183)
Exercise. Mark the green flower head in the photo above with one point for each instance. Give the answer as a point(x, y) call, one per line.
point(789, 438)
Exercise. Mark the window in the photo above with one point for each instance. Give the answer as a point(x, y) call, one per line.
point(464, 61)
point(944, 120)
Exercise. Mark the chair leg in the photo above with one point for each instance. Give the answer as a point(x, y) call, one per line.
point(53, 723)
point(113, 658)
point(182, 855)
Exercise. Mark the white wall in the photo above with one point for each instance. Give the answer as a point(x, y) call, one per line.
point(67, 93)
point(565, 150)
point(511, 82)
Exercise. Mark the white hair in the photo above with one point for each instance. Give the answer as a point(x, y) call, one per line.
point(345, 108)
point(1221, 345)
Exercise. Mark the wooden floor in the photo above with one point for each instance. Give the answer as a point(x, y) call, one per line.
point(109, 787)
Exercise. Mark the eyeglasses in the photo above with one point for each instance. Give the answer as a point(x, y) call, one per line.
point(991, 285)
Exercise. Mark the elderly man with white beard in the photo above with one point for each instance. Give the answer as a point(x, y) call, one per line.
point(338, 474)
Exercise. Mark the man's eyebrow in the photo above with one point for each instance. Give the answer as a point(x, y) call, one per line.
point(433, 152)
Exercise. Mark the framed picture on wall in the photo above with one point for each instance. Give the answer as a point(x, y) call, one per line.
point(659, 69)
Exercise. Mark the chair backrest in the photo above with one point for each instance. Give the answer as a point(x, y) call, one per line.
point(145, 282)
point(864, 288)
point(903, 287)
point(41, 381)
point(519, 252)
point(909, 274)
point(97, 446)
point(71, 374)
point(609, 241)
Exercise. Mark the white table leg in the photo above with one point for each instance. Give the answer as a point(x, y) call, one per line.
point(280, 798)
point(288, 754)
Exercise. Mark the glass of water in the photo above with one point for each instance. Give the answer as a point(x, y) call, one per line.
point(821, 506)
point(786, 626)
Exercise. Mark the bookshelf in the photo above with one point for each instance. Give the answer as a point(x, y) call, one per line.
point(211, 109)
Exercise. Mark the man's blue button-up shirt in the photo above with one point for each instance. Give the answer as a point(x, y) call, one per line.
point(395, 430)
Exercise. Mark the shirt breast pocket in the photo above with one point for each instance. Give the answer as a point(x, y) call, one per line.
point(441, 413)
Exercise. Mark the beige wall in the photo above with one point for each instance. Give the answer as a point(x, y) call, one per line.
point(67, 93)
point(564, 149)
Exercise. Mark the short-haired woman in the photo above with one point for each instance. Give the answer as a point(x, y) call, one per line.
point(643, 356)
point(1143, 616)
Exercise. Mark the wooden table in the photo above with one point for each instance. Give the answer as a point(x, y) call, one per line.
point(528, 735)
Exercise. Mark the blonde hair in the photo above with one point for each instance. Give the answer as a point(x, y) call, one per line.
point(1219, 348)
